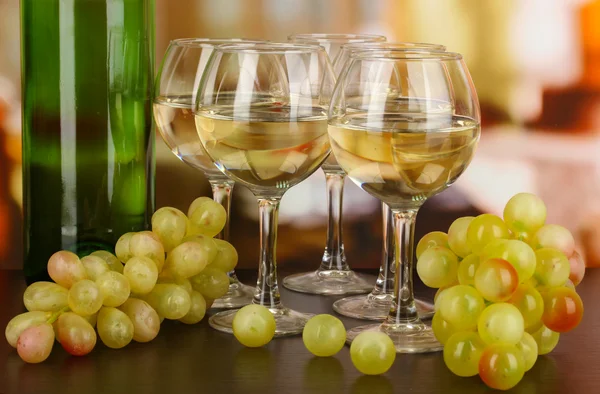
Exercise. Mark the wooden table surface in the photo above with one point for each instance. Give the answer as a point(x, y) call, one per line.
point(198, 359)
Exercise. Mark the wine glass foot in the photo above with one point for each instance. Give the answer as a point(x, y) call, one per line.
point(408, 338)
point(330, 282)
point(287, 321)
point(238, 295)
point(370, 307)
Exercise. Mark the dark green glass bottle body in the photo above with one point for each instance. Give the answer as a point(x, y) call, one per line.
point(88, 146)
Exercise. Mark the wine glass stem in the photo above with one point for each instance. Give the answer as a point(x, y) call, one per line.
point(222, 194)
point(385, 280)
point(403, 309)
point(267, 290)
point(334, 257)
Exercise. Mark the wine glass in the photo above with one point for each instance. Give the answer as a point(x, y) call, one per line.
point(176, 85)
point(262, 117)
point(334, 276)
point(404, 126)
point(376, 304)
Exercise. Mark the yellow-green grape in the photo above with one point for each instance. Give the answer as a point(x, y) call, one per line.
point(461, 306)
point(85, 298)
point(501, 323)
point(187, 260)
point(484, 229)
point(517, 253)
point(372, 352)
point(75, 334)
point(530, 303)
point(528, 346)
point(114, 327)
point(552, 269)
point(209, 245)
point(525, 213)
point(226, 258)
point(324, 335)
point(92, 319)
point(556, 237)
point(253, 326)
point(184, 283)
point(114, 287)
point(147, 244)
point(113, 262)
point(437, 267)
point(45, 297)
point(496, 280)
point(94, 266)
point(35, 343)
point(437, 298)
point(197, 309)
point(430, 240)
point(467, 268)
point(211, 283)
point(65, 268)
point(501, 366)
point(457, 236)
point(546, 339)
point(206, 217)
point(170, 225)
point(169, 301)
point(21, 322)
point(462, 352)
point(141, 273)
point(145, 320)
point(441, 328)
point(122, 247)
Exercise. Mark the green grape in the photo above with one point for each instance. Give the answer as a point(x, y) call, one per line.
point(437, 267)
point(206, 217)
point(209, 245)
point(92, 319)
point(226, 258)
point(457, 236)
point(85, 298)
point(501, 323)
point(467, 268)
point(555, 237)
point(169, 301)
point(253, 325)
point(145, 320)
point(45, 297)
point(517, 253)
point(546, 340)
point(184, 283)
point(65, 268)
point(141, 273)
point(21, 322)
point(437, 298)
point(501, 366)
point(122, 247)
point(170, 225)
point(430, 240)
point(484, 229)
point(372, 352)
point(186, 260)
point(530, 303)
point(528, 346)
point(525, 213)
point(211, 283)
point(461, 306)
point(324, 335)
point(114, 287)
point(94, 266)
point(75, 334)
point(147, 244)
point(114, 327)
point(197, 309)
point(496, 280)
point(35, 343)
point(113, 262)
point(462, 352)
point(441, 328)
point(552, 269)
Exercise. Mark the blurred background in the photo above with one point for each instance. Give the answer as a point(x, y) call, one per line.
point(536, 66)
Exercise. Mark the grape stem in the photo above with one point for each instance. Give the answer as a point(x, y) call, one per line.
point(54, 317)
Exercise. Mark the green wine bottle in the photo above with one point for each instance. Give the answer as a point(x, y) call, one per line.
point(88, 146)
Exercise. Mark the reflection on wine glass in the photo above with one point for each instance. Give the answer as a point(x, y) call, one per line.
point(334, 276)
point(404, 126)
point(376, 305)
point(176, 86)
point(261, 116)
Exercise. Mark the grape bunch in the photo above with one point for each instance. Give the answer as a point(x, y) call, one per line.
point(506, 290)
point(173, 272)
